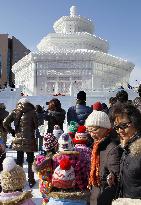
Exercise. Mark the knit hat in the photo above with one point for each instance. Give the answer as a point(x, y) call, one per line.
point(64, 175)
point(81, 95)
point(57, 131)
point(98, 118)
point(81, 135)
point(97, 106)
point(49, 142)
point(13, 176)
point(65, 143)
point(73, 126)
point(23, 101)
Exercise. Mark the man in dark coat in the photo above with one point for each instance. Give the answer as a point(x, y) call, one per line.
point(80, 111)
point(25, 122)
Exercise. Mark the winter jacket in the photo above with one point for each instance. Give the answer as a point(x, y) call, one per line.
point(25, 122)
point(78, 113)
point(130, 169)
point(85, 155)
point(55, 118)
point(3, 132)
point(110, 154)
point(137, 103)
point(16, 198)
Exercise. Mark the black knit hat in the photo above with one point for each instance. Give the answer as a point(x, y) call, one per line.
point(81, 95)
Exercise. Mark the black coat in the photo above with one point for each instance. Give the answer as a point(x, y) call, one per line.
point(55, 118)
point(130, 174)
point(110, 154)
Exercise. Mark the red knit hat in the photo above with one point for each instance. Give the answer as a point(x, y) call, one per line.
point(64, 175)
point(97, 106)
point(81, 135)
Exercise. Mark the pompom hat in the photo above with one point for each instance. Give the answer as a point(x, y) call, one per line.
point(81, 135)
point(57, 132)
point(49, 142)
point(97, 106)
point(73, 126)
point(64, 175)
point(98, 118)
point(65, 143)
point(13, 176)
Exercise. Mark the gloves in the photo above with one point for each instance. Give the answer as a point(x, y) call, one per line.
point(13, 133)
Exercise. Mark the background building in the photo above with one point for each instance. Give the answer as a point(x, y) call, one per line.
point(11, 51)
point(72, 58)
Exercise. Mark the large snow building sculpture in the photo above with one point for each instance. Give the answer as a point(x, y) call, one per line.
point(71, 59)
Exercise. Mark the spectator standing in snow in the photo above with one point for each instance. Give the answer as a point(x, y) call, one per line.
point(127, 122)
point(25, 122)
point(105, 159)
point(80, 111)
point(55, 115)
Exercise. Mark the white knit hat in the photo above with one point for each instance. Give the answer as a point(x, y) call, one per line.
point(23, 100)
point(65, 143)
point(98, 118)
point(13, 176)
point(57, 132)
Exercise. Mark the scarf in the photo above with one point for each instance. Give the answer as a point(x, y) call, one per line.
point(94, 179)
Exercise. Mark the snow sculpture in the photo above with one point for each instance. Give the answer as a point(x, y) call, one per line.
point(72, 58)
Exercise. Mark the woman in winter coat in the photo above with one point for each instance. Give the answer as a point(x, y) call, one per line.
point(127, 122)
point(25, 122)
point(55, 115)
point(105, 159)
point(13, 180)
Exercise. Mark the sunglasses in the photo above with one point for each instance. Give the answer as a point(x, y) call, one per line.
point(122, 126)
point(92, 129)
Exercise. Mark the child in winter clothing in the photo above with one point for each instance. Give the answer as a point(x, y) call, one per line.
point(43, 165)
point(13, 180)
point(72, 129)
point(80, 142)
point(57, 132)
point(67, 177)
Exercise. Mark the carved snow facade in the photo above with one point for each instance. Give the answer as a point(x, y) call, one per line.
point(71, 59)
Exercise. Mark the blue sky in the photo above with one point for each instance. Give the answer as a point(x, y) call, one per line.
point(118, 21)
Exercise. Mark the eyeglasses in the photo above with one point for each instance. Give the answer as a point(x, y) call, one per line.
point(92, 129)
point(122, 126)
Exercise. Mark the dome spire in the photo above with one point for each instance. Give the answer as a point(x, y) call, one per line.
point(73, 11)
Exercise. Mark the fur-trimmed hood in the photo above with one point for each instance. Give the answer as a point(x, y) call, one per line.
point(135, 147)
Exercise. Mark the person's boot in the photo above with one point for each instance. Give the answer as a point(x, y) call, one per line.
point(31, 179)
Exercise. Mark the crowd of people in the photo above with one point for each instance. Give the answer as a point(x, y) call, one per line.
point(96, 161)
